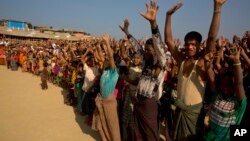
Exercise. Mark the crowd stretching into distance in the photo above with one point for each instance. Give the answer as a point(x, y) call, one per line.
point(130, 88)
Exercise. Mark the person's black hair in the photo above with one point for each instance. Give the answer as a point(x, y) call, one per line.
point(80, 65)
point(117, 58)
point(193, 35)
point(45, 64)
point(123, 70)
point(174, 79)
point(75, 63)
point(226, 74)
point(134, 53)
point(149, 41)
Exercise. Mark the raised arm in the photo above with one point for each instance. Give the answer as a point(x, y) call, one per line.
point(135, 44)
point(72, 53)
point(208, 58)
point(98, 53)
point(215, 25)
point(150, 16)
point(238, 75)
point(169, 35)
point(245, 57)
point(124, 53)
point(110, 52)
point(84, 56)
point(221, 44)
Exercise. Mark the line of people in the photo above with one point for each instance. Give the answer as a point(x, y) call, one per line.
point(129, 88)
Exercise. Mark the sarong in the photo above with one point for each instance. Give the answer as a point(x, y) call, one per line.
point(187, 121)
point(146, 119)
point(105, 118)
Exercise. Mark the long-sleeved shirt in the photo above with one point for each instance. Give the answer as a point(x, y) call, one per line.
point(149, 84)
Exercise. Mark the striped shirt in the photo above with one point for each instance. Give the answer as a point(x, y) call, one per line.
point(225, 112)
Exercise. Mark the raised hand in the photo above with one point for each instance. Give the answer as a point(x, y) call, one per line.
point(219, 2)
point(236, 39)
point(242, 52)
point(235, 53)
point(110, 52)
point(177, 42)
point(222, 42)
point(91, 50)
point(106, 38)
point(203, 44)
point(209, 57)
point(125, 26)
point(152, 9)
point(174, 8)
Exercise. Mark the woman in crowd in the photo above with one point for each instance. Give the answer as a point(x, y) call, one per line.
point(105, 118)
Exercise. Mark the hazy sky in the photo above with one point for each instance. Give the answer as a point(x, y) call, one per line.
point(99, 16)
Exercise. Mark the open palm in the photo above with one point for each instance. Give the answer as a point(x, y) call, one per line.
point(174, 8)
point(150, 15)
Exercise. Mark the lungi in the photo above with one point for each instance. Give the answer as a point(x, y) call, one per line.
point(146, 119)
point(105, 118)
point(187, 121)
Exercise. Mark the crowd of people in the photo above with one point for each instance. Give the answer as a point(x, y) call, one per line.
point(129, 87)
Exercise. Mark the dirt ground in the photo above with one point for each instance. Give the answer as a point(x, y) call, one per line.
point(28, 113)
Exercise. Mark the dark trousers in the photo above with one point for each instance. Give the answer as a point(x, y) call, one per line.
point(69, 97)
point(89, 103)
point(44, 84)
point(8, 64)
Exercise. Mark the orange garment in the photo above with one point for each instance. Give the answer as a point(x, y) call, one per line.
point(1, 53)
point(73, 78)
point(23, 58)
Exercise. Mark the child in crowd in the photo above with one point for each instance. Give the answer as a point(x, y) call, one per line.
point(44, 76)
point(134, 72)
point(78, 86)
point(229, 100)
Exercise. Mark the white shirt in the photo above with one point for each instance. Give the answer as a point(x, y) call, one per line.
point(90, 75)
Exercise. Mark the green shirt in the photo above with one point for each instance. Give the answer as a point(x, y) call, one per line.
point(225, 112)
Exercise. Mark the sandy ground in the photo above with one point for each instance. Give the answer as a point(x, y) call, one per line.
point(28, 113)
